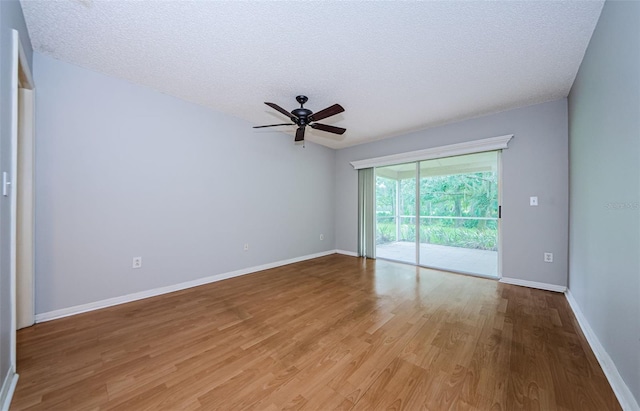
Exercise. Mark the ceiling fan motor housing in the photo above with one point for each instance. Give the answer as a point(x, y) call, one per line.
point(301, 116)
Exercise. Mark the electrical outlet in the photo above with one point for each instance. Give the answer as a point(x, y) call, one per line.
point(137, 262)
point(548, 257)
point(246, 246)
point(321, 237)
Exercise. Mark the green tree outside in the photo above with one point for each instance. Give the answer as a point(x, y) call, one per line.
point(457, 210)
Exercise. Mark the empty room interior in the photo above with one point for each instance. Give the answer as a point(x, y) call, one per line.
point(230, 205)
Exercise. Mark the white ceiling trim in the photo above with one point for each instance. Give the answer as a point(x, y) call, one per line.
point(469, 147)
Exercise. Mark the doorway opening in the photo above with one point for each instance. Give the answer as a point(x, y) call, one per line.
point(18, 186)
point(441, 213)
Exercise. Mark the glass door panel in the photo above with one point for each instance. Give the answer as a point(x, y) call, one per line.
point(459, 214)
point(396, 212)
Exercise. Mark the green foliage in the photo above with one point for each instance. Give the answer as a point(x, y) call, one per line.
point(385, 233)
point(408, 232)
point(458, 195)
point(472, 196)
point(481, 239)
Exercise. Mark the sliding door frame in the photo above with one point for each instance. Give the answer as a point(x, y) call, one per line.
point(417, 212)
point(418, 221)
point(499, 160)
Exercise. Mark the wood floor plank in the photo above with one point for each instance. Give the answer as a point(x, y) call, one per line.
point(335, 332)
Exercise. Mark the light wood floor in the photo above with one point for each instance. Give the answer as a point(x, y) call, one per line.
point(332, 333)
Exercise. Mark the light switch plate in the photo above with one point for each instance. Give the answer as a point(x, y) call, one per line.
point(533, 201)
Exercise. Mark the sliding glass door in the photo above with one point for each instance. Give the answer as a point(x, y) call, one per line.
point(459, 213)
point(396, 212)
point(457, 227)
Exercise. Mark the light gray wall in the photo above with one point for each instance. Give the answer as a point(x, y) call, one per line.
point(124, 171)
point(535, 164)
point(10, 18)
point(604, 135)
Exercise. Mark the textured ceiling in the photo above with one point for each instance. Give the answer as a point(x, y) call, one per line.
point(394, 66)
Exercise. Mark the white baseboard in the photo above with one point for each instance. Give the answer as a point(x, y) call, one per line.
point(8, 387)
point(621, 390)
point(350, 253)
point(109, 302)
point(534, 284)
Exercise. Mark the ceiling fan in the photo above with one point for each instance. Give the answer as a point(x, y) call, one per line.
point(303, 117)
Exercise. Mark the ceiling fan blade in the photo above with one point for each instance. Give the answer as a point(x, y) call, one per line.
point(280, 109)
point(330, 129)
point(300, 134)
point(327, 112)
point(274, 125)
